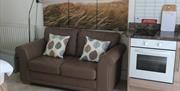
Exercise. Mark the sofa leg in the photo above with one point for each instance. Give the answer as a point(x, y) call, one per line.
point(25, 81)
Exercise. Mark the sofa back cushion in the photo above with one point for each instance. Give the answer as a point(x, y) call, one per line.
point(71, 46)
point(113, 37)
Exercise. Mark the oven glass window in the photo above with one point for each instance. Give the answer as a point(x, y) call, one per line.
point(151, 63)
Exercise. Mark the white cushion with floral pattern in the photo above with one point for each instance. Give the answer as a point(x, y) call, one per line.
point(56, 45)
point(93, 49)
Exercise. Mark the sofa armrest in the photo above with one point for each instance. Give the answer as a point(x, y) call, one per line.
point(108, 68)
point(26, 53)
point(113, 55)
point(31, 50)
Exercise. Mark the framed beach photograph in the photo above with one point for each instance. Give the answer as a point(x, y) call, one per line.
point(56, 13)
point(82, 14)
point(86, 14)
point(112, 14)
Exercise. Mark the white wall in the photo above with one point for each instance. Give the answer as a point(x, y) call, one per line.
point(145, 9)
point(40, 22)
point(131, 10)
point(13, 15)
point(1, 7)
point(15, 12)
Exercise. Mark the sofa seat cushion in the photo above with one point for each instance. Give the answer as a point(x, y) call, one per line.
point(79, 69)
point(46, 64)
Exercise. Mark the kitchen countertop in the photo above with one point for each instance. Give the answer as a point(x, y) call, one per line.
point(161, 35)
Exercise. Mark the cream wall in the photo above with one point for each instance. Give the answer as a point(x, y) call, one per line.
point(0, 11)
point(15, 12)
point(40, 22)
point(14, 16)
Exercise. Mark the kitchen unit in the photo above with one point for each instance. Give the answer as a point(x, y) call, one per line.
point(154, 62)
point(152, 59)
point(177, 69)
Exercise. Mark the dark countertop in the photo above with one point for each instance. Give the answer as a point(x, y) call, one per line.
point(161, 35)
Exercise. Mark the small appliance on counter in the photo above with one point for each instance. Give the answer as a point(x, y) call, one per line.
point(168, 20)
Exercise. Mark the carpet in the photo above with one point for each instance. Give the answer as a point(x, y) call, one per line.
point(14, 84)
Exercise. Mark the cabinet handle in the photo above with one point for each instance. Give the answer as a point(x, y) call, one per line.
point(178, 61)
point(178, 66)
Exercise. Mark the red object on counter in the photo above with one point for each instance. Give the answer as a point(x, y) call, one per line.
point(149, 21)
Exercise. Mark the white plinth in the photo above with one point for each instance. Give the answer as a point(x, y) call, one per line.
point(1, 79)
point(5, 68)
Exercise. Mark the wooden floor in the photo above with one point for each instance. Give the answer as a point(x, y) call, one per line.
point(14, 84)
point(122, 86)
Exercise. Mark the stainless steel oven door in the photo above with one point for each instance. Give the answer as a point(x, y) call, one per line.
point(152, 64)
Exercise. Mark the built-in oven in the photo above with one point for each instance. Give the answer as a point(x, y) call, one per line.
point(152, 59)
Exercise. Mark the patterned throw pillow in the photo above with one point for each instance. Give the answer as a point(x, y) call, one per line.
point(56, 45)
point(93, 49)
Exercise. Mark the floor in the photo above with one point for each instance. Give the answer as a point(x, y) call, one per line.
point(14, 84)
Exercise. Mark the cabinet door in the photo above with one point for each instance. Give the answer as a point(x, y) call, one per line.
point(145, 85)
point(177, 64)
point(131, 88)
point(176, 87)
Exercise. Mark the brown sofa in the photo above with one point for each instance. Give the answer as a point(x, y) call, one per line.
point(70, 72)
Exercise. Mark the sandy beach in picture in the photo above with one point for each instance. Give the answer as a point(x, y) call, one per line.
point(92, 14)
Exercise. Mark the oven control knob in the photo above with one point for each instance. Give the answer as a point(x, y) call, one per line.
point(158, 44)
point(145, 43)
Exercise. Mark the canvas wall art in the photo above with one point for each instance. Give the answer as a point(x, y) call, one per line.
point(86, 14)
